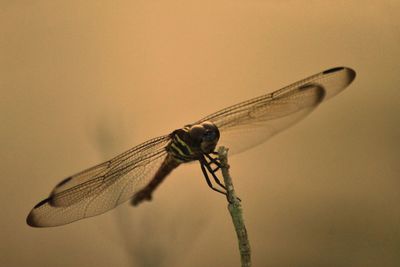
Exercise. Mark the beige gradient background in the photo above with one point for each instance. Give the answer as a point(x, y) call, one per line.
point(82, 81)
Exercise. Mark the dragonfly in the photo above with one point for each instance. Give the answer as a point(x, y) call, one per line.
point(135, 174)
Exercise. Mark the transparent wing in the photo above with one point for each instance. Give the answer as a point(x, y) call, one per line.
point(102, 187)
point(252, 122)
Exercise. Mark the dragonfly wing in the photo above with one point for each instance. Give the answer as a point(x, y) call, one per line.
point(257, 119)
point(101, 188)
point(285, 112)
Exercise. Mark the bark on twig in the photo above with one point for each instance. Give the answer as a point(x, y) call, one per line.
point(235, 209)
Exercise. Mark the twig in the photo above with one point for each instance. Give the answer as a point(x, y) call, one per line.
point(235, 209)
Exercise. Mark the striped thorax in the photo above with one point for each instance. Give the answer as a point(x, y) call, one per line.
point(192, 141)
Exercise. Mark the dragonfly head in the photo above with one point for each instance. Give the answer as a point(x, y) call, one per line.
point(206, 135)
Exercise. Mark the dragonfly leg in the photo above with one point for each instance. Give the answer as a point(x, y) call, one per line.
point(208, 179)
point(216, 169)
point(214, 160)
point(207, 165)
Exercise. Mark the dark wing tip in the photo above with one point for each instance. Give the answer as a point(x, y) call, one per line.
point(31, 219)
point(333, 70)
point(41, 203)
point(351, 74)
point(63, 182)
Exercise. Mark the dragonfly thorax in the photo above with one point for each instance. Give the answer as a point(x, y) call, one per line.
point(192, 141)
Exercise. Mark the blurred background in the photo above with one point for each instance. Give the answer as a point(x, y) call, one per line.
point(82, 81)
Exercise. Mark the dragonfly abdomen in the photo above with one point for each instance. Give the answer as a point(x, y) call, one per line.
point(168, 165)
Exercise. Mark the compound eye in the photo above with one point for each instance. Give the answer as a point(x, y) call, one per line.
point(211, 131)
point(196, 132)
point(209, 135)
